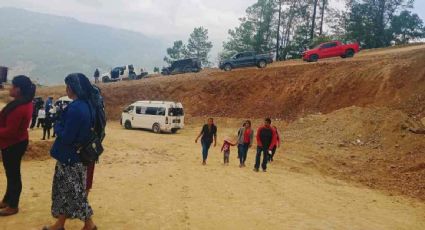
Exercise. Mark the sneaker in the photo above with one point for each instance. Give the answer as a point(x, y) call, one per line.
point(264, 170)
point(256, 170)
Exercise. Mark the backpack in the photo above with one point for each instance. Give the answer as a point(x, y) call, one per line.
point(90, 152)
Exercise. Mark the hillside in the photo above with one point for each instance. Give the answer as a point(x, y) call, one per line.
point(48, 47)
point(392, 78)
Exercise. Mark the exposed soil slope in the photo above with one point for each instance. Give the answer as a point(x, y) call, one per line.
point(394, 78)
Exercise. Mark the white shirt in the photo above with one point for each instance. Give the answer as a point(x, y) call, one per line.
point(41, 114)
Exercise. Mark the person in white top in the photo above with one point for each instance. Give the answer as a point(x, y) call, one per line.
point(41, 117)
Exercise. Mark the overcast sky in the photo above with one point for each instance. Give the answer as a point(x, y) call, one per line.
point(167, 19)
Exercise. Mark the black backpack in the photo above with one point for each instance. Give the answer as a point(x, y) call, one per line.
point(90, 152)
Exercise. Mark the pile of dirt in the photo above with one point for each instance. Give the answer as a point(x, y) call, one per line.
point(373, 146)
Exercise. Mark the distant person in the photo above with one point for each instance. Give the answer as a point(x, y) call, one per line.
point(277, 145)
point(41, 117)
point(69, 196)
point(96, 76)
point(34, 114)
point(225, 149)
point(266, 140)
point(245, 140)
point(208, 136)
point(15, 119)
point(54, 118)
point(48, 106)
point(47, 126)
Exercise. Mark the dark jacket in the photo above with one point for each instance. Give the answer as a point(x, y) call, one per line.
point(72, 129)
point(266, 137)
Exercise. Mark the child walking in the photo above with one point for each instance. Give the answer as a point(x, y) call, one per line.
point(226, 149)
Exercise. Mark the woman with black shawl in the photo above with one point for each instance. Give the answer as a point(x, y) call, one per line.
point(69, 195)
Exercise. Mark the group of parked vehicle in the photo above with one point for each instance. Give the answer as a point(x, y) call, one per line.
point(239, 60)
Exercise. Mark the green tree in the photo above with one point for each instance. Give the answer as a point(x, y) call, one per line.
point(257, 30)
point(156, 69)
point(199, 46)
point(406, 27)
point(369, 21)
point(177, 52)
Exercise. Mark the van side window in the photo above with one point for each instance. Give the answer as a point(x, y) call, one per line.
point(151, 111)
point(161, 112)
point(138, 110)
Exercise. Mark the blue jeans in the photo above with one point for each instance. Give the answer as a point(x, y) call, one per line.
point(243, 152)
point(205, 147)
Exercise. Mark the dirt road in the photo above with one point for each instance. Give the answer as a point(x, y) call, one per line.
point(149, 181)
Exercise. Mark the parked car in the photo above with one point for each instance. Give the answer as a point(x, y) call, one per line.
point(331, 49)
point(183, 66)
point(246, 59)
point(158, 116)
point(122, 73)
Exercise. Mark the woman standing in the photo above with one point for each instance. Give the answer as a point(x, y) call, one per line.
point(15, 119)
point(69, 196)
point(209, 134)
point(245, 139)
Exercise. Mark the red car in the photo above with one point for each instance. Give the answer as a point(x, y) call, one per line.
point(331, 49)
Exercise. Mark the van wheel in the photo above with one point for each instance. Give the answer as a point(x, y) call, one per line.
point(127, 125)
point(227, 67)
point(156, 128)
point(262, 64)
point(174, 131)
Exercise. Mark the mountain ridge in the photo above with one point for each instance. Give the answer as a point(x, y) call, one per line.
point(47, 47)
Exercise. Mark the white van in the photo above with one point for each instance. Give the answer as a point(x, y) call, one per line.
point(159, 116)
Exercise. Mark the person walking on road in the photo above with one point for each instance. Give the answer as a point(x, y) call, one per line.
point(225, 149)
point(208, 136)
point(266, 140)
point(15, 119)
point(245, 139)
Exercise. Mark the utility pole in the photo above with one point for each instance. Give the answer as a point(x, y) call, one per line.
point(278, 31)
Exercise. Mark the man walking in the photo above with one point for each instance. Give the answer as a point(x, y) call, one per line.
point(266, 140)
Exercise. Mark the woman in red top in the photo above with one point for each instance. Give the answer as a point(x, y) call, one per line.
point(15, 119)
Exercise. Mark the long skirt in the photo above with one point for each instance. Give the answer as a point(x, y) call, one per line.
point(69, 197)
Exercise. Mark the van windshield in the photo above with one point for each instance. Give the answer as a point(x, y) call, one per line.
point(175, 112)
point(128, 109)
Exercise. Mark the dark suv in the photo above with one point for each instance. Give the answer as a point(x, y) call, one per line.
point(246, 59)
point(183, 66)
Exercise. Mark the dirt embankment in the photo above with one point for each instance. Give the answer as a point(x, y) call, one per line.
point(373, 146)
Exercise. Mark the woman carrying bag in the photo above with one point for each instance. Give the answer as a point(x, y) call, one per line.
point(69, 195)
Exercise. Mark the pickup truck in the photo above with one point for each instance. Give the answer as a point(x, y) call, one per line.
point(331, 49)
point(246, 59)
